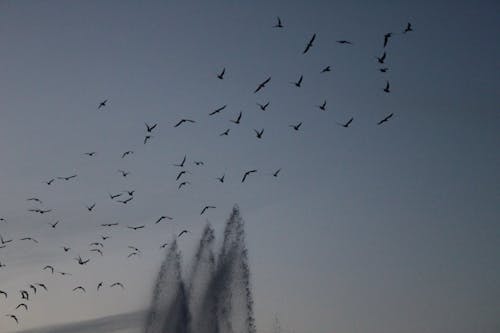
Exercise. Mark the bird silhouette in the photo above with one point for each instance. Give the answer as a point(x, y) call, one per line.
point(49, 182)
point(182, 233)
point(130, 193)
point(67, 178)
point(150, 128)
point(276, 173)
point(263, 107)
point(218, 110)
point(347, 123)
point(205, 209)
point(221, 179)
point(182, 121)
point(4, 241)
point(385, 119)
point(81, 261)
point(124, 173)
point(32, 287)
point(198, 163)
point(109, 224)
point(126, 201)
point(134, 248)
point(114, 196)
point(296, 127)
point(164, 245)
point(53, 225)
point(102, 104)
point(387, 86)
point(180, 174)
point(97, 244)
point(322, 106)
point(225, 133)
point(4, 293)
point(262, 84)
point(221, 74)
point(326, 69)
point(49, 267)
point(79, 288)
point(383, 69)
point(259, 133)
point(128, 152)
point(343, 41)
point(181, 165)
point(278, 23)
point(42, 286)
point(29, 199)
point(381, 59)
point(386, 38)
point(117, 284)
point(298, 83)
point(22, 305)
point(97, 250)
point(66, 249)
point(309, 44)
point(90, 154)
point(13, 317)
point(30, 239)
point(91, 207)
point(247, 173)
point(99, 285)
point(183, 184)
point(133, 254)
point(238, 119)
point(408, 28)
point(147, 138)
point(136, 228)
point(163, 217)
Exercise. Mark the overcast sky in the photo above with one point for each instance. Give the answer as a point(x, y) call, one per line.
point(390, 228)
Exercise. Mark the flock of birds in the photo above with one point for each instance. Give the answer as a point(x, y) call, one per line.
point(125, 197)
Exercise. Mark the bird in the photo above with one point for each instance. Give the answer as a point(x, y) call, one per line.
point(30, 239)
point(386, 38)
point(182, 233)
point(147, 138)
point(150, 128)
point(408, 28)
point(109, 224)
point(296, 127)
point(102, 104)
point(163, 217)
point(164, 245)
point(103, 237)
point(90, 154)
point(33, 288)
point(79, 288)
point(198, 163)
point(81, 261)
point(205, 209)
point(179, 175)
point(259, 133)
point(182, 121)
point(238, 119)
point(91, 207)
point(386, 89)
point(4, 293)
point(40, 211)
point(247, 173)
point(133, 254)
point(99, 285)
point(125, 201)
point(117, 284)
point(322, 106)
point(221, 74)
point(4, 241)
point(263, 106)
point(114, 196)
point(22, 305)
point(383, 69)
point(97, 250)
point(262, 84)
point(385, 119)
point(97, 244)
point(276, 173)
point(66, 249)
point(278, 24)
point(53, 225)
point(183, 184)
point(309, 44)
point(32, 199)
point(130, 193)
point(25, 295)
point(381, 59)
point(124, 173)
point(298, 83)
point(218, 110)
point(64, 273)
point(13, 317)
point(347, 123)
point(49, 267)
point(49, 182)
point(2, 219)
point(128, 152)
point(2, 265)
point(181, 165)
point(67, 178)
point(225, 133)
point(136, 228)
point(326, 69)
point(134, 248)
point(343, 41)
point(42, 286)
point(221, 179)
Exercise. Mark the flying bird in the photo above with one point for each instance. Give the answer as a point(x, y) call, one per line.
point(91, 207)
point(99, 285)
point(385, 119)
point(343, 41)
point(150, 128)
point(322, 106)
point(225, 133)
point(125, 201)
point(309, 44)
point(53, 225)
point(181, 165)
point(298, 83)
point(259, 133)
point(386, 38)
point(90, 154)
point(182, 121)
point(217, 110)
point(102, 104)
point(79, 288)
point(381, 59)
point(124, 173)
point(33, 288)
point(97, 244)
point(164, 245)
point(147, 138)
point(30, 239)
point(134, 248)
point(66, 249)
point(13, 317)
point(22, 305)
point(205, 209)
point(67, 178)
point(133, 254)
point(163, 217)
point(183, 184)
point(247, 173)
point(49, 182)
point(198, 163)
point(276, 173)
point(408, 28)
point(31, 199)
point(42, 286)
point(130, 193)
point(296, 127)
point(278, 24)
point(128, 152)
point(117, 284)
point(97, 250)
point(182, 233)
point(221, 179)
point(109, 224)
point(262, 84)
point(179, 175)
point(263, 106)
point(383, 69)
point(114, 196)
point(4, 293)
point(347, 123)
point(238, 119)
point(221, 74)
point(326, 69)
point(4, 241)
point(49, 267)
point(81, 261)
point(136, 228)
point(387, 86)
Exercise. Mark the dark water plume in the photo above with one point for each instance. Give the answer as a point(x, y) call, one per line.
point(217, 297)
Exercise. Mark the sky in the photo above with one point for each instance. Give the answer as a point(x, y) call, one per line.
point(373, 228)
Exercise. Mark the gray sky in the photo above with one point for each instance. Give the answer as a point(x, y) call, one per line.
point(369, 228)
